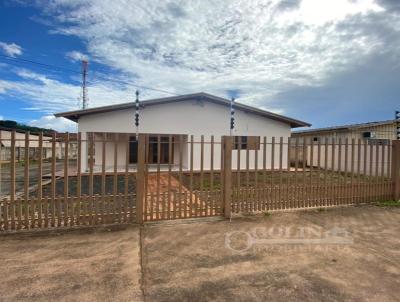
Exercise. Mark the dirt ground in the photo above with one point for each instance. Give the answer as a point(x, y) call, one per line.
point(213, 261)
point(81, 265)
point(346, 254)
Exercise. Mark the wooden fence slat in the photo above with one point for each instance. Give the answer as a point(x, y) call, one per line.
point(191, 176)
point(141, 176)
point(273, 195)
point(333, 198)
point(103, 163)
point(66, 179)
point(312, 187)
point(352, 171)
point(168, 214)
point(12, 180)
point(201, 205)
point(26, 180)
point(256, 202)
point(288, 203)
point(79, 178)
point(40, 180)
point(126, 181)
point(264, 196)
point(227, 152)
point(358, 190)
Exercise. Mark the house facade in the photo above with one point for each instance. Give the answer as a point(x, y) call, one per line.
point(195, 116)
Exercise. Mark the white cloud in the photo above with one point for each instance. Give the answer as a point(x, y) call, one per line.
point(76, 56)
point(186, 46)
point(51, 122)
point(260, 48)
point(50, 95)
point(11, 49)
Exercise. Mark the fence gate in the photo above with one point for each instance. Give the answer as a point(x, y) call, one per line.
point(181, 176)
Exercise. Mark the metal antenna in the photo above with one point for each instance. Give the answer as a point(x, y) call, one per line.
point(84, 84)
point(137, 114)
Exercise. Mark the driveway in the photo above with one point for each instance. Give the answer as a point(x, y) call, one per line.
point(347, 254)
point(213, 261)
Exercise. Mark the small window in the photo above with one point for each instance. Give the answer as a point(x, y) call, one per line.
point(315, 139)
point(368, 134)
point(247, 143)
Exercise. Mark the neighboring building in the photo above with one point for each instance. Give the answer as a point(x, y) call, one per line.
point(374, 132)
point(187, 115)
point(370, 141)
point(5, 145)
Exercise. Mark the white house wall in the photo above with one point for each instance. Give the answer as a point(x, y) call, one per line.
point(189, 118)
point(373, 161)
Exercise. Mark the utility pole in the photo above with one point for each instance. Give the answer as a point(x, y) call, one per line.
point(85, 99)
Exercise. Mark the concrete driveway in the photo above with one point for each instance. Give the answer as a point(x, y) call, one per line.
point(348, 254)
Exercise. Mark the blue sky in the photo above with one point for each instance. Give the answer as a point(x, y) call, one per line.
point(325, 62)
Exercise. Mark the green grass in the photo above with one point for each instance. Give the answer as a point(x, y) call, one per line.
point(389, 203)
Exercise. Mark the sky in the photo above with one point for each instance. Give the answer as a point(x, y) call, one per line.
point(324, 62)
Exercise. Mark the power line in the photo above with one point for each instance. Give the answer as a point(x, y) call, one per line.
point(97, 75)
point(131, 84)
point(49, 66)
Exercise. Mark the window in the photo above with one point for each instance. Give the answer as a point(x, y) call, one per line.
point(315, 139)
point(368, 134)
point(163, 153)
point(247, 143)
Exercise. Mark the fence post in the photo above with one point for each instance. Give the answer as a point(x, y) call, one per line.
point(140, 175)
point(396, 169)
point(227, 174)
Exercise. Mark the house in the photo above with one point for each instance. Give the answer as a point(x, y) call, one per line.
point(20, 136)
point(5, 145)
point(372, 132)
point(183, 117)
point(363, 142)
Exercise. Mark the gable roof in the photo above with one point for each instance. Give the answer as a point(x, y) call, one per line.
point(344, 127)
point(75, 115)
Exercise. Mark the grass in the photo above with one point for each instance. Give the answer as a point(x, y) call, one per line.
point(389, 203)
point(276, 178)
